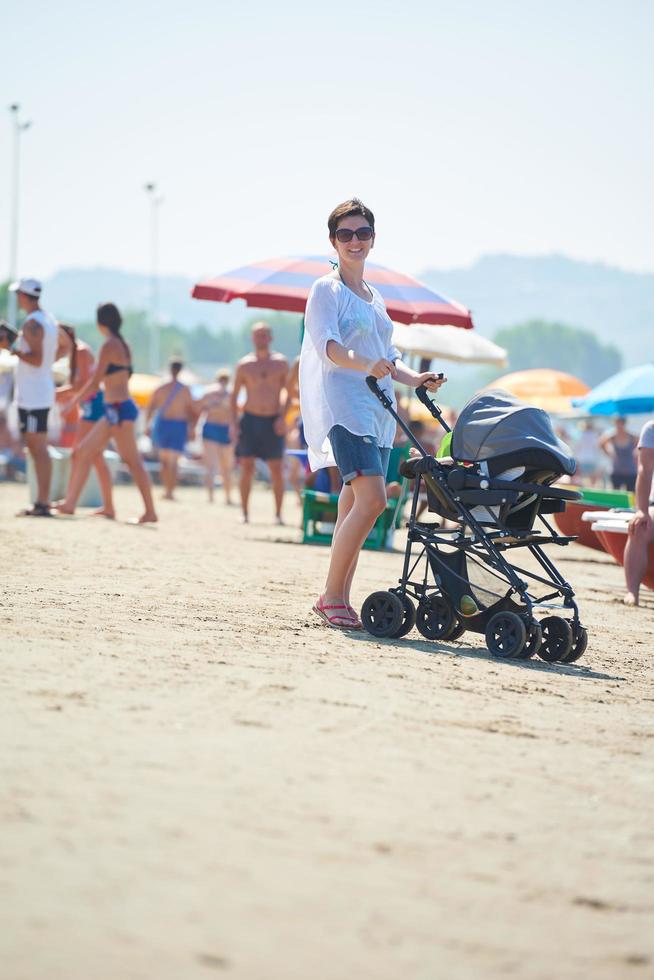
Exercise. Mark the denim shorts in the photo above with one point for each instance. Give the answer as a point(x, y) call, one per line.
point(358, 455)
point(117, 412)
point(93, 408)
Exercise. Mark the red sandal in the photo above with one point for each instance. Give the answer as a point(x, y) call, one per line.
point(330, 617)
point(358, 625)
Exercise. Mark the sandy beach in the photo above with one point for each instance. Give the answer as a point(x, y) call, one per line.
point(198, 779)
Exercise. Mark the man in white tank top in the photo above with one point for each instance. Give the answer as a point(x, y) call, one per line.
point(35, 348)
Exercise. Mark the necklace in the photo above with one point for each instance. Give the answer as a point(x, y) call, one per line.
point(363, 283)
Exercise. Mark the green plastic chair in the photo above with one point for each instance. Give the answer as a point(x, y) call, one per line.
point(319, 510)
point(605, 498)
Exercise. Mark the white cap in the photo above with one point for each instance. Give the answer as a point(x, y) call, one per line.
point(31, 287)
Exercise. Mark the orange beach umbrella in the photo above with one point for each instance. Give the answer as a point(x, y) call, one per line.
point(142, 386)
point(543, 387)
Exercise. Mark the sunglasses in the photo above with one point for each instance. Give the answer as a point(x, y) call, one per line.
point(345, 235)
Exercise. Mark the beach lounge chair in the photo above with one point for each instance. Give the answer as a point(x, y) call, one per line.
point(320, 509)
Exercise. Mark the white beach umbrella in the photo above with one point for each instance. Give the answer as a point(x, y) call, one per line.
point(448, 343)
point(61, 371)
point(7, 361)
point(60, 368)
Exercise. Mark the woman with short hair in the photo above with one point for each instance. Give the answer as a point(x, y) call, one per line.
point(348, 336)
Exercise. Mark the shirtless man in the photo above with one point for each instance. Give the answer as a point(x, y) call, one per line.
point(218, 451)
point(173, 404)
point(261, 428)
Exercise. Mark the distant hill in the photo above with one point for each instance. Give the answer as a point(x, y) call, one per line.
point(74, 294)
point(502, 290)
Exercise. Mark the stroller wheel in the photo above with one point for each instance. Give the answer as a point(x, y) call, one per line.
point(579, 644)
point(506, 635)
point(408, 618)
point(557, 639)
point(382, 613)
point(457, 631)
point(534, 640)
point(435, 618)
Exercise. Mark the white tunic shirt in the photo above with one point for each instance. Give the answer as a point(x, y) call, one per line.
point(35, 387)
point(331, 395)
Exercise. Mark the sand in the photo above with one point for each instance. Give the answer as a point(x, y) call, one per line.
point(197, 779)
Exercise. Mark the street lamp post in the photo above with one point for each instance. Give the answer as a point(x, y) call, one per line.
point(18, 129)
point(155, 202)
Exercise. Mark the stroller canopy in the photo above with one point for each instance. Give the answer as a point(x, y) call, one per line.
point(496, 424)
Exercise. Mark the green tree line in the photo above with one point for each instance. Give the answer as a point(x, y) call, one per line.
point(201, 344)
point(547, 344)
point(533, 344)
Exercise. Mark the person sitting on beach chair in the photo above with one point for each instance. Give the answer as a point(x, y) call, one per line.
point(641, 525)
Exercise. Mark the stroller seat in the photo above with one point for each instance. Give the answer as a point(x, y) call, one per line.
point(437, 473)
point(505, 456)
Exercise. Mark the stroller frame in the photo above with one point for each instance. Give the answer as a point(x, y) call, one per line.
point(448, 552)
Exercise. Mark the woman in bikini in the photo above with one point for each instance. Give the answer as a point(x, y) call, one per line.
point(620, 446)
point(82, 364)
point(218, 449)
point(112, 371)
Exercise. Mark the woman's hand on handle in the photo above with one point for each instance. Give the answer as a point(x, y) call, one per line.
point(407, 376)
point(346, 358)
point(431, 381)
point(381, 368)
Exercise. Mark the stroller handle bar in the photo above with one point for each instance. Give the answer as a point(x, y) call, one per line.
point(421, 393)
point(432, 407)
point(371, 381)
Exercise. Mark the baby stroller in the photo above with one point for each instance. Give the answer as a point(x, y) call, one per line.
point(494, 493)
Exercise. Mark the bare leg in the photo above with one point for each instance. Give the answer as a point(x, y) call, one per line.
point(635, 564)
point(163, 472)
point(106, 488)
point(295, 476)
point(210, 465)
point(345, 504)
point(226, 464)
point(102, 471)
point(125, 440)
point(277, 480)
point(83, 457)
point(168, 472)
point(247, 476)
point(37, 446)
point(369, 501)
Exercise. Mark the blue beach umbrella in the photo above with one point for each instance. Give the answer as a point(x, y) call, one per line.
point(629, 392)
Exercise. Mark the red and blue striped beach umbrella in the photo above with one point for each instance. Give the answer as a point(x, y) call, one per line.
point(284, 284)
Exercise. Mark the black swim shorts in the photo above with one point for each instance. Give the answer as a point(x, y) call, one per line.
point(33, 419)
point(257, 437)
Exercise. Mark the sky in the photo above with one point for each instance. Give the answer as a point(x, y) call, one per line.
point(469, 128)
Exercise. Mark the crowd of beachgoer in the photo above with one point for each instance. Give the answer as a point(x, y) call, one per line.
point(245, 419)
point(255, 416)
point(604, 458)
point(252, 415)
